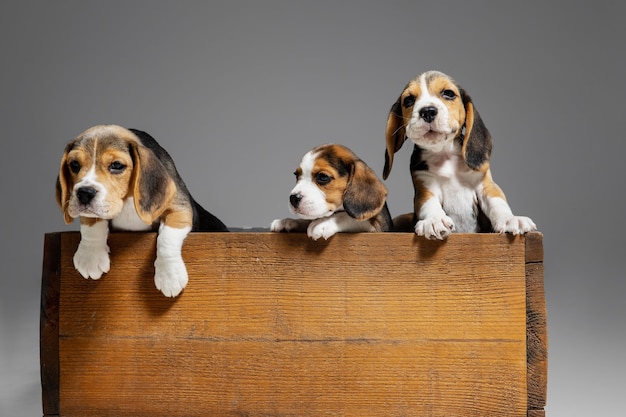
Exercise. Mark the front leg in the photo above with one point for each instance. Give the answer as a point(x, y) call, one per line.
point(91, 259)
point(337, 223)
point(170, 275)
point(499, 212)
point(503, 220)
point(433, 223)
point(432, 220)
point(289, 225)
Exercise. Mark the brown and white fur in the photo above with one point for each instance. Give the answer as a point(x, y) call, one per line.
point(454, 190)
point(335, 192)
point(118, 178)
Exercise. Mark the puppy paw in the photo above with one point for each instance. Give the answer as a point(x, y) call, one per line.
point(170, 276)
point(285, 225)
point(91, 261)
point(517, 225)
point(435, 227)
point(325, 228)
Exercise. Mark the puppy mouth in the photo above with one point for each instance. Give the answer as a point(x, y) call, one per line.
point(88, 210)
point(428, 135)
point(433, 135)
point(310, 214)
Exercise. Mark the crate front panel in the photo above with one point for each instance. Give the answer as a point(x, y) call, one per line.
point(277, 324)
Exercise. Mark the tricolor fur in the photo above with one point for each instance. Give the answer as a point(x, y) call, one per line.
point(335, 192)
point(454, 190)
point(113, 177)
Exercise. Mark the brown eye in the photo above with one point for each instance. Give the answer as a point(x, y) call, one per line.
point(116, 167)
point(448, 94)
point(74, 166)
point(322, 179)
point(408, 101)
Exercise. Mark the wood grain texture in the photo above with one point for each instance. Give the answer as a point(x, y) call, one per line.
point(534, 247)
point(49, 324)
point(536, 325)
point(280, 325)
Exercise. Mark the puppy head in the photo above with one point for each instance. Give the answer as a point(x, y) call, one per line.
point(105, 165)
point(432, 111)
point(331, 177)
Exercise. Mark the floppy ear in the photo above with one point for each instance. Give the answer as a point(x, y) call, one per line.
point(477, 143)
point(365, 194)
point(64, 187)
point(152, 186)
point(395, 135)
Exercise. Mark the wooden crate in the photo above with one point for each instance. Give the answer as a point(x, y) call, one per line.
point(371, 324)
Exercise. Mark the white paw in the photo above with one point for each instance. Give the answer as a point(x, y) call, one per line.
point(517, 225)
point(435, 227)
point(325, 228)
point(284, 225)
point(91, 261)
point(170, 276)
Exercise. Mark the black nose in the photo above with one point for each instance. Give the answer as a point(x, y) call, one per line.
point(86, 194)
point(295, 199)
point(428, 113)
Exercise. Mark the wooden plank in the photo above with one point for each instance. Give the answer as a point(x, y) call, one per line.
point(49, 324)
point(182, 377)
point(536, 326)
point(534, 247)
point(277, 324)
point(283, 285)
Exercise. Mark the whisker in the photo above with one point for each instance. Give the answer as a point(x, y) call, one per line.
point(398, 129)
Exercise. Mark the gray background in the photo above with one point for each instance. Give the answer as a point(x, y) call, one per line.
point(238, 91)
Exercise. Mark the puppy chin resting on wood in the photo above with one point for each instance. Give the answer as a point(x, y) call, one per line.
point(118, 178)
point(335, 192)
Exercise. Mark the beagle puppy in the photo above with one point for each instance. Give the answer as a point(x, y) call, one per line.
point(118, 178)
point(454, 190)
point(335, 192)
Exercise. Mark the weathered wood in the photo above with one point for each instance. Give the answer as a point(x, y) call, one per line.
point(534, 247)
point(536, 325)
point(277, 324)
point(49, 324)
